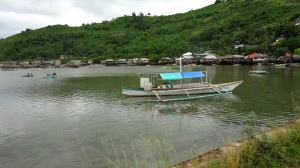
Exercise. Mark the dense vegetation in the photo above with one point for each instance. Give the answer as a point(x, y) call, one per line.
point(257, 24)
point(282, 150)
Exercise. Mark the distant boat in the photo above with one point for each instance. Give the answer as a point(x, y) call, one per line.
point(280, 65)
point(258, 72)
point(50, 76)
point(28, 75)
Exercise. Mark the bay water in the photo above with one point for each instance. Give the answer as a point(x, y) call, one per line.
point(81, 119)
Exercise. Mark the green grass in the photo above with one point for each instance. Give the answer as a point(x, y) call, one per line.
point(280, 149)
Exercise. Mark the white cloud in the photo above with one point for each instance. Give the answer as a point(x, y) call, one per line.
point(11, 23)
point(40, 7)
point(17, 15)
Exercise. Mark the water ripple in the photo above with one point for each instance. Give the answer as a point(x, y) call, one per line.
point(82, 113)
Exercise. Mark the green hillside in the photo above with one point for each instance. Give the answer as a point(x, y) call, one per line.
point(218, 27)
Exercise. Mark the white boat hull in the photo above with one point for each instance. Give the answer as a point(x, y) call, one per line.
point(189, 89)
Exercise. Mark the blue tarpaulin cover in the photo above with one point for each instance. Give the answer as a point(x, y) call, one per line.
point(171, 76)
point(197, 74)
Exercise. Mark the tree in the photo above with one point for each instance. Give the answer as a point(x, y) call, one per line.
point(141, 14)
point(154, 57)
point(291, 43)
point(218, 1)
point(281, 51)
point(297, 51)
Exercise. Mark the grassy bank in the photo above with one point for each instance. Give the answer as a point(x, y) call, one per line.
point(279, 147)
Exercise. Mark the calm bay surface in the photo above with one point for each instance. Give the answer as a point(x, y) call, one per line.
point(80, 119)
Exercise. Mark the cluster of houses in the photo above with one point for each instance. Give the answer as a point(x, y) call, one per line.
point(206, 58)
point(133, 61)
point(11, 65)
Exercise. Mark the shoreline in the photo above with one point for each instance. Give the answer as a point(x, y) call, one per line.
point(234, 147)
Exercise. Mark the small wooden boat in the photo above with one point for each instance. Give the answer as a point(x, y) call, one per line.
point(50, 76)
point(280, 65)
point(258, 72)
point(28, 75)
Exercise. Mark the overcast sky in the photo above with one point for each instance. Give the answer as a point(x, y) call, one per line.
point(18, 15)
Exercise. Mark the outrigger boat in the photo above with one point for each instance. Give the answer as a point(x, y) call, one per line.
point(149, 86)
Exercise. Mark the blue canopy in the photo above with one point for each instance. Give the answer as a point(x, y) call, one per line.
point(197, 74)
point(171, 76)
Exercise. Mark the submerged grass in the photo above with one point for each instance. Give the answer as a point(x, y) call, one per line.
point(159, 150)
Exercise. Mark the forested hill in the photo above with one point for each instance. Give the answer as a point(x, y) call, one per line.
point(254, 24)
